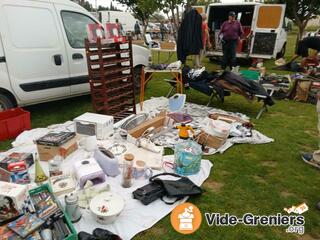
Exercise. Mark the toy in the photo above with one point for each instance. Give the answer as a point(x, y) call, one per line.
point(183, 131)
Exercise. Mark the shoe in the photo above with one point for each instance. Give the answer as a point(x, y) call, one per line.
point(86, 236)
point(318, 206)
point(308, 158)
point(103, 234)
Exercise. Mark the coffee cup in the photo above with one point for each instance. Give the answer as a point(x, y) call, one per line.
point(141, 170)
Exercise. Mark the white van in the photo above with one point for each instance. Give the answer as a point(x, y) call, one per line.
point(263, 22)
point(126, 19)
point(42, 55)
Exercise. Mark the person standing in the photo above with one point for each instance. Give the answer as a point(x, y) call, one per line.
point(120, 28)
point(205, 41)
point(162, 30)
point(137, 30)
point(230, 32)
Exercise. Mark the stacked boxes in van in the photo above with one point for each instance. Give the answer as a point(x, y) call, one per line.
point(111, 77)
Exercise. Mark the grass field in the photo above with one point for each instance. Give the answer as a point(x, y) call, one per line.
point(260, 179)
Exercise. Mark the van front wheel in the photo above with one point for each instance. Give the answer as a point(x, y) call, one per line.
point(5, 102)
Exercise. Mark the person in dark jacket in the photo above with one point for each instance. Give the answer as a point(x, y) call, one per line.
point(137, 30)
point(230, 32)
point(189, 40)
point(163, 30)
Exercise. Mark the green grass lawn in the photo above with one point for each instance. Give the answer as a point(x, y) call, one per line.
point(261, 179)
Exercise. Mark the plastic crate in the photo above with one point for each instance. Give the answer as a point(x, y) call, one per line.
point(13, 122)
point(73, 235)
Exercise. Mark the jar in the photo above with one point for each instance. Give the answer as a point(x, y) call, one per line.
point(127, 172)
point(55, 166)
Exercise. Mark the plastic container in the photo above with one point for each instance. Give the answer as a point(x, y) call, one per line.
point(13, 122)
point(187, 158)
point(73, 233)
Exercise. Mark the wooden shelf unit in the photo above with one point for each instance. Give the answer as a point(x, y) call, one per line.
point(111, 78)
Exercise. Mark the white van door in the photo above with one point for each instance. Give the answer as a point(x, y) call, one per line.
point(266, 25)
point(34, 50)
point(74, 23)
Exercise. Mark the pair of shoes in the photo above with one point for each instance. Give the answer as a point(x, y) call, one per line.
point(98, 234)
point(308, 158)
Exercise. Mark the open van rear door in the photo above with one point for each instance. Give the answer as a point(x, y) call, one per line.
point(266, 25)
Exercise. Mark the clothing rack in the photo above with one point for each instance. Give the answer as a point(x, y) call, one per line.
point(111, 77)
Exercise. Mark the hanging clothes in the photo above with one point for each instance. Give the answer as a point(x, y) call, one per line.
point(189, 40)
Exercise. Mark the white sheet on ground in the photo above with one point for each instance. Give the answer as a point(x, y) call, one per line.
point(136, 217)
point(199, 114)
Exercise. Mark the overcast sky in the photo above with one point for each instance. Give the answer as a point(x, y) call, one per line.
point(107, 3)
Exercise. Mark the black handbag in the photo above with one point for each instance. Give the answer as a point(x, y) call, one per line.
point(159, 188)
point(176, 188)
point(149, 193)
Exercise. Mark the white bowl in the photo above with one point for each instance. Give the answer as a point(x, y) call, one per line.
point(114, 204)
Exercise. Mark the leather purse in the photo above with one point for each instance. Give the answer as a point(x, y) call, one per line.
point(160, 188)
point(177, 189)
point(149, 193)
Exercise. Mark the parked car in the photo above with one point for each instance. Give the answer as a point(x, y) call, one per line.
point(42, 55)
point(153, 30)
point(264, 23)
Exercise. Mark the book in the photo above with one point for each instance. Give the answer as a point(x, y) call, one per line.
point(7, 234)
point(44, 204)
point(55, 139)
point(26, 224)
point(62, 184)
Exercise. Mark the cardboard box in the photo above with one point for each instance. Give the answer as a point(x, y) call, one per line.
point(14, 168)
point(156, 122)
point(12, 197)
point(209, 140)
point(15, 160)
point(47, 153)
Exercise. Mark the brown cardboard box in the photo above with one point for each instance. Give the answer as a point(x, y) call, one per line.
point(156, 122)
point(46, 153)
point(209, 140)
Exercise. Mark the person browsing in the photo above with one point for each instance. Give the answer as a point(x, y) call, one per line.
point(230, 32)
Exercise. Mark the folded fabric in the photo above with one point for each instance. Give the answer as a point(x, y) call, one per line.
point(174, 65)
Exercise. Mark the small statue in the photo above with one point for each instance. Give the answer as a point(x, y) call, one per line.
point(183, 131)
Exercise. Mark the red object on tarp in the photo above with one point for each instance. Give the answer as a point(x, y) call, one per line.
point(13, 122)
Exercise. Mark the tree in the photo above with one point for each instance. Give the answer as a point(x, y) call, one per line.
point(158, 17)
point(171, 6)
point(142, 9)
point(300, 12)
point(86, 5)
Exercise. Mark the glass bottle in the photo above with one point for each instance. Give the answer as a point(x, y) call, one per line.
point(55, 166)
point(127, 170)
